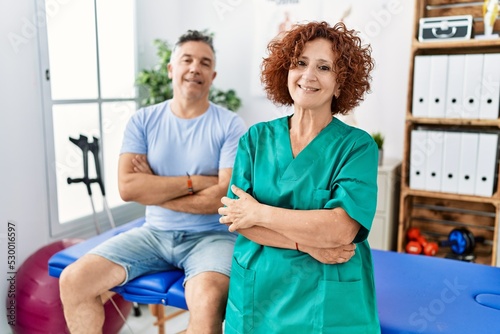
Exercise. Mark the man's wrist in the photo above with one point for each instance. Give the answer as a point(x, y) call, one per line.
point(189, 184)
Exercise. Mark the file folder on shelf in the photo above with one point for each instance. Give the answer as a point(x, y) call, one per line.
point(486, 164)
point(421, 77)
point(418, 159)
point(468, 157)
point(490, 88)
point(437, 86)
point(454, 87)
point(451, 154)
point(434, 151)
point(473, 73)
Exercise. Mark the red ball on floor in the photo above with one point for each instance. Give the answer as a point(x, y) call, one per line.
point(33, 303)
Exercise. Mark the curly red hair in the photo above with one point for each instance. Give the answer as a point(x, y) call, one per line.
point(353, 63)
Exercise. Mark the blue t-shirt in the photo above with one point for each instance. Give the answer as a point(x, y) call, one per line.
point(175, 146)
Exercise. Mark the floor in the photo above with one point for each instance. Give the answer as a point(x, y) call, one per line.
point(144, 324)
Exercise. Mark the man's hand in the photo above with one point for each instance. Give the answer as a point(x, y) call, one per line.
point(141, 165)
point(336, 255)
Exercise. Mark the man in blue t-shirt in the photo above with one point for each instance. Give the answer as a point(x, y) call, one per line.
point(176, 159)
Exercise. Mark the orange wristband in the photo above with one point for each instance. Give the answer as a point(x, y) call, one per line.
point(189, 184)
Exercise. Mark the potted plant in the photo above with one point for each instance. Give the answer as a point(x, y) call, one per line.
point(378, 137)
point(157, 86)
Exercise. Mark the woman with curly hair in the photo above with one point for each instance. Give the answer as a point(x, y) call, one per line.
point(303, 194)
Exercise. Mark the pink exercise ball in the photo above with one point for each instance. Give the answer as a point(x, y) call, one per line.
point(38, 308)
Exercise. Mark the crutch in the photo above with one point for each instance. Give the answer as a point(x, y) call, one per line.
point(94, 149)
point(83, 144)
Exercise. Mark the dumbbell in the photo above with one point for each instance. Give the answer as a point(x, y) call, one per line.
point(461, 241)
point(418, 244)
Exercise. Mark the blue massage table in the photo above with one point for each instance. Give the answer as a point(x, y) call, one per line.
point(156, 290)
point(415, 293)
point(422, 294)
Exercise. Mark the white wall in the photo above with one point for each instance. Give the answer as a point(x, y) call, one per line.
point(23, 198)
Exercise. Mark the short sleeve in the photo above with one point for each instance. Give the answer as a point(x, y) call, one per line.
point(235, 129)
point(134, 138)
point(355, 188)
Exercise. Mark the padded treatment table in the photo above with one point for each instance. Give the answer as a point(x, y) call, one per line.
point(422, 294)
point(415, 293)
point(160, 288)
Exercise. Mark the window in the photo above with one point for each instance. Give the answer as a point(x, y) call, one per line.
point(88, 60)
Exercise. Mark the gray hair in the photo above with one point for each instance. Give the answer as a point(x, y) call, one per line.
point(195, 36)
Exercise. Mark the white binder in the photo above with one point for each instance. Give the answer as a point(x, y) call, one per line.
point(421, 76)
point(454, 88)
point(418, 159)
point(450, 166)
point(486, 164)
point(434, 159)
point(490, 90)
point(468, 157)
point(473, 73)
point(437, 86)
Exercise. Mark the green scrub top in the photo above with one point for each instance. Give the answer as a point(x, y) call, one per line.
point(274, 290)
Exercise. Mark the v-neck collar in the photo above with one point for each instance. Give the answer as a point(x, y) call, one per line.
point(293, 168)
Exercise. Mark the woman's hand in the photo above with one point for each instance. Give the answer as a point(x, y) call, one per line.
point(141, 165)
point(336, 255)
point(239, 213)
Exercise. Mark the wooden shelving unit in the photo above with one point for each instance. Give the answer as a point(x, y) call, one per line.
point(437, 213)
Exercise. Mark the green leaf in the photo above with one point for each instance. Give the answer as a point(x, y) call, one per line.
point(378, 137)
